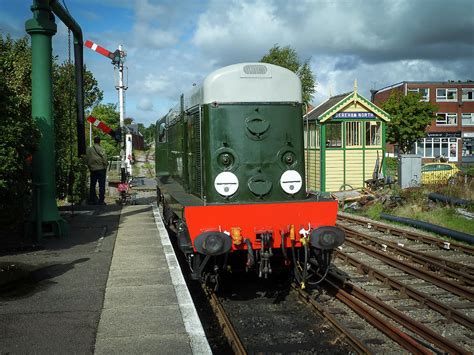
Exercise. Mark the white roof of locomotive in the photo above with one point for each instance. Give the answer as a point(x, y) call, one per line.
point(247, 82)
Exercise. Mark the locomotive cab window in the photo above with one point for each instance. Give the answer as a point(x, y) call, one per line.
point(334, 135)
point(162, 133)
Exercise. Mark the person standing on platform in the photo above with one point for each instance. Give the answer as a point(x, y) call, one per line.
point(97, 163)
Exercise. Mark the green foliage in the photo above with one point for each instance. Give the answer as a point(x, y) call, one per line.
point(70, 170)
point(19, 133)
point(108, 114)
point(391, 165)
point(148, 133)
point(409, 117)
point(288, 58)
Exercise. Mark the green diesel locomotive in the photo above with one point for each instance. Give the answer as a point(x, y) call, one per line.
point(230, 176)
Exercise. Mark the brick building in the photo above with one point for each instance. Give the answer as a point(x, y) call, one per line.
point(451, 132)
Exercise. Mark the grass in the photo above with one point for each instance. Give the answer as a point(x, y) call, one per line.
point(414, 203)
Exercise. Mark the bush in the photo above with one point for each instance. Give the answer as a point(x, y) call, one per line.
point(19, 133)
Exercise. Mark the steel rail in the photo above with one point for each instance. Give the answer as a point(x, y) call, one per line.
point(408, 234)
point(446, 267)
point(355, 342)
point(452, 287)
point(406, 290)
point(226, 324)
point(397, 316)
point(400, 337)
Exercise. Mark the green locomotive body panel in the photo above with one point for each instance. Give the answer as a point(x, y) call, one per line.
point(253, 142)
point(235, 139)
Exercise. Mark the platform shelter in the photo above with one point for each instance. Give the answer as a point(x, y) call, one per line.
point(344, 143)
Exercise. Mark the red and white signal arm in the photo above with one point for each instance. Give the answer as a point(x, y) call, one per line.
point(104, 128)
point(99, 124)
point(115, 56)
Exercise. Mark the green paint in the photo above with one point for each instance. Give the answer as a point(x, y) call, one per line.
point(383, 143)
point(343, 139)
point(45, 215)
point(257, 136)
point(323, 158)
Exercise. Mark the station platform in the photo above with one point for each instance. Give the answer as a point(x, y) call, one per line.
point(113, 285)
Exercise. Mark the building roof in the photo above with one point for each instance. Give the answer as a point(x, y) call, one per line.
point(335, 104)
point(447, 82)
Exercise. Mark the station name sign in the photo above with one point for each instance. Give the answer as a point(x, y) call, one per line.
point(444, 134)
point(354, 115)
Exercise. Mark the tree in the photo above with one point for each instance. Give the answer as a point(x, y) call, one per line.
point(409, 117)
point(288, 58)
point(108, 114)
point(71, 172)
point(19, 133)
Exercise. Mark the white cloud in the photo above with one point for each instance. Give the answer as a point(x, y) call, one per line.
point(145, 104)
point(156, 83)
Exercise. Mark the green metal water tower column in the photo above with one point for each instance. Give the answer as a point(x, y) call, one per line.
point(45, 218)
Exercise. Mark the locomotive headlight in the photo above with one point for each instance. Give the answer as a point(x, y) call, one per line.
point(226, 183)
point(291, 182)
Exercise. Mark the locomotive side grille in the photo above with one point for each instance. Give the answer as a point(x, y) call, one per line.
point(197, 151)
point(255, 69)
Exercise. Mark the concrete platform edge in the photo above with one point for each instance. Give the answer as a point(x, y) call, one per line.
point(192, 323)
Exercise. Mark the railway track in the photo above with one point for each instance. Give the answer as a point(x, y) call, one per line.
point(368, 304)
point(434, 291)
point(260, 318)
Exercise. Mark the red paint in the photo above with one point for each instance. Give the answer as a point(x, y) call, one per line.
point(101, 125)
point(257, 218)
point(99, 49)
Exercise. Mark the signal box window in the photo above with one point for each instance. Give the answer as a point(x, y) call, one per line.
point(373, 133)
point(311, 135)
point(353, 134)
point(446, 94)
point(334, 135)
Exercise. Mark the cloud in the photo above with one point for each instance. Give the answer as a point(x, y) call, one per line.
point(145, 104)
point(173, 44)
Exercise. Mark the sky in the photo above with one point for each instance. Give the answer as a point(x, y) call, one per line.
point(173, 44)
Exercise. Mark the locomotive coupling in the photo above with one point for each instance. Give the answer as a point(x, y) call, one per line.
point(213, 243)
point(327, 237)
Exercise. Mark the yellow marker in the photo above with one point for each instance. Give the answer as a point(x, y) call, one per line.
point(303, 285)
point(236, 236)
point(292, 232)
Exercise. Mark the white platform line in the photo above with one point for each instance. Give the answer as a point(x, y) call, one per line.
point(192, 323)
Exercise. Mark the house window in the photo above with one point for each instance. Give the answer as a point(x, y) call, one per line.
point(435, 147)
point(353, 134)
point(373, 133)
point(468, 148)
point(334, 135)
point(468, 119)
point(468, 94)
point(446, 94)
point(425, 92)
point(446, 119)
